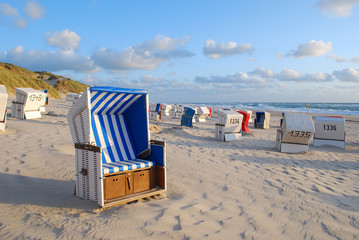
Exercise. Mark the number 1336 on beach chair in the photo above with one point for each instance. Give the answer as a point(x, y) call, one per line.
point(116, 162)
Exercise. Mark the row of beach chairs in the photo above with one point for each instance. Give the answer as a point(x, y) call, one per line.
point(116, 162)
point(29, 104)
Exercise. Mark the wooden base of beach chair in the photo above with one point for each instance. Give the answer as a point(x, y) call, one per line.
point(152, 193)
point(130, 184)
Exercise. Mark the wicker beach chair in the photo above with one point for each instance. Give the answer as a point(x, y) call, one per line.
point(262, 120)
point(246, 118)
point(329, 131)
point(116, 162)
point(3, 111)
point(187, 117)
point(296, 132)
point(229, 125)
point(29, 103)
point(202, 114)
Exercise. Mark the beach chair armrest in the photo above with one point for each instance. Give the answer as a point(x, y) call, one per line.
point(158, 153)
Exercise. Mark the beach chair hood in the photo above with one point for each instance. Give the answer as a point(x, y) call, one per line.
point(106, 108)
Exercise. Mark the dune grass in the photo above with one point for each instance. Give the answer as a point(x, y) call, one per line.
point(13, 76)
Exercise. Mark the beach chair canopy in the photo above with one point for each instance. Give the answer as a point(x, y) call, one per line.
point(297, 128)
point(115, 119)
point(189, 112)
point(31, 98)
point(3, 102)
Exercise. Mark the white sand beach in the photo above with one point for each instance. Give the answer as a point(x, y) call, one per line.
point(216, 190)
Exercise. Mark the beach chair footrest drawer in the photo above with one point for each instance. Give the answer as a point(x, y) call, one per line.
point(127, 183)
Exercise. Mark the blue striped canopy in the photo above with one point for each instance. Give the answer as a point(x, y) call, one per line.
point(119, 122)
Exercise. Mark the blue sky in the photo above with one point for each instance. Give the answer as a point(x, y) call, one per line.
point(192, 51)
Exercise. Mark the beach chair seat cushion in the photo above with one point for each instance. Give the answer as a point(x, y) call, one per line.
point(115, 167)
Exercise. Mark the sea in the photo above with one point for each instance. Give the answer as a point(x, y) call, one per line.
point(324, 108)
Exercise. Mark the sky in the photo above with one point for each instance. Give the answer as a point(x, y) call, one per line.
point(192, 51)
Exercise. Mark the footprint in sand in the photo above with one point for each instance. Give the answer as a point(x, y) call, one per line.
point(199, 222)
point(315, 189)
point(178, 226)
point(204, 195)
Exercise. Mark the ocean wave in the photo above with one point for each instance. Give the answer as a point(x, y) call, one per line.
point(323, 108)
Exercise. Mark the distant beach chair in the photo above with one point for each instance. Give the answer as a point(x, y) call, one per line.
point(262, 120)
point(47, 96)
point(329, 131)
point(166, 108)
point(116, 162)
point(202, 114)
point(179, 111)
point(250, 115)
point(296, 133)
point(3, 111)
point(246, 118)
point(73, 97)
point(155, 112)
point(187, 117)
point(229, 125)
point(29, 103)
point(210, 111)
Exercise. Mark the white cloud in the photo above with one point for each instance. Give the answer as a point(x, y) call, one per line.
point(147, 56)
point(342, 59)
point(347, 75)
point(48, 61)
point(337, 8)
point(66, 40)
point(34, 10)
point(292, 75)
point(339, 59)
point(213, 50)
point(262, 72)
point(8, 10)
point(312, 49)
point(237, 78)
point(149, 79)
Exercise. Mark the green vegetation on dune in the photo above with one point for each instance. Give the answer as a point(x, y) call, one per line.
point(69, 85)
point(13, 76)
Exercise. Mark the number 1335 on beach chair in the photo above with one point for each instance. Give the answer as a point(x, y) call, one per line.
point(116, 162)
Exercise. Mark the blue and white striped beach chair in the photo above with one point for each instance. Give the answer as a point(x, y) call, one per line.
point(115, 160)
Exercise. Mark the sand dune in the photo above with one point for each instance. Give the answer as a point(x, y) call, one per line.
point(216, 190)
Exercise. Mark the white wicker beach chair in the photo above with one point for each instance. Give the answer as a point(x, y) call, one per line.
point(29, 103)
point(229, 125)
point(202, 114)
point(296, 133)
point(3, 112)
point(116, 162)
point(329, 131)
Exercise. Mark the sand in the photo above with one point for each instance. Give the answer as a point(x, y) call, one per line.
point(216, 190)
